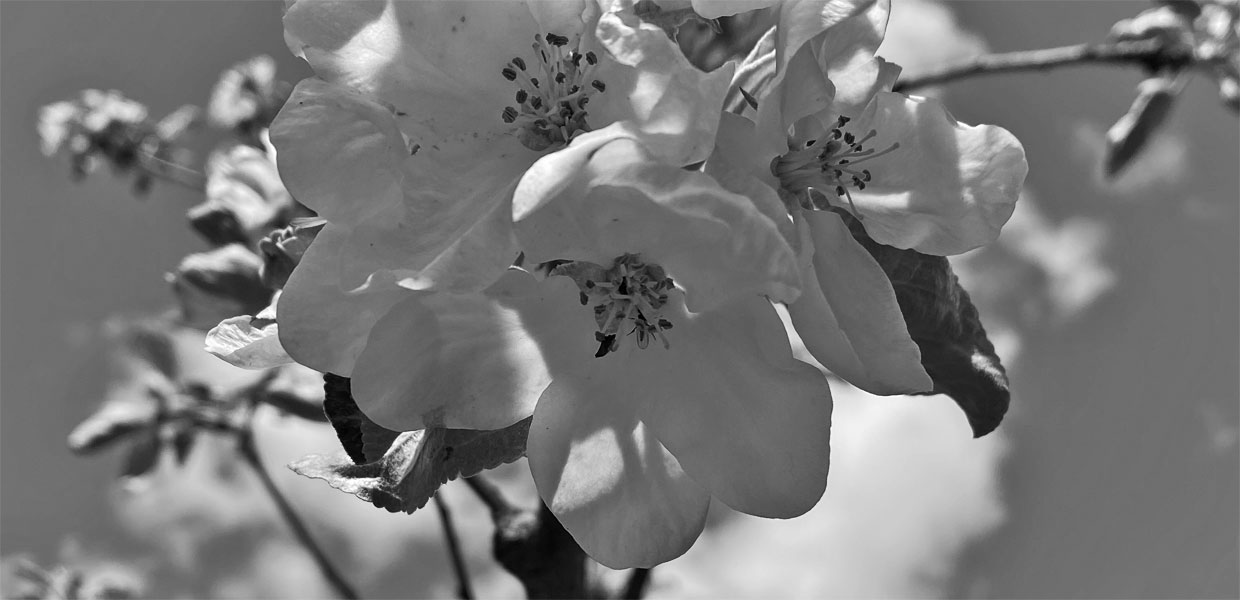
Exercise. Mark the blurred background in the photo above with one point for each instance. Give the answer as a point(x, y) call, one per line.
point(1114, 305)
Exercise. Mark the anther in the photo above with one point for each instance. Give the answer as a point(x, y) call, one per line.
point(591, 58)
point(598, 85)
point(509, 74)
point(556, 40)
point(516, 60)
point(510, 114)
point(522, 96)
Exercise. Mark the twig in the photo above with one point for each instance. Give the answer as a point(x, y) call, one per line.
point(1151, 54)
point(636, 586)
point(172, 172)
point(250, 453)
point(464, 589)
point(533, 546)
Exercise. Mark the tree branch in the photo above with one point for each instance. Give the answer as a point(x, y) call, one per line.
point(249, 452)
point(1151, 54)
point(463, 587)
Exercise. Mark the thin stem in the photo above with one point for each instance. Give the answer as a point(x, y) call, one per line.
point(464, 589)
point(173, 173)
point(635, 588)
point(250, 453)
point(1147, 53)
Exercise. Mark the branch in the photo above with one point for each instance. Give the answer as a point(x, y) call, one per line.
point(463, 588)
point(250, 453)
point(533, 546)
point(1151, 54)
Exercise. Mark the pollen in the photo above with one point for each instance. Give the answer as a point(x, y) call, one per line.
point(829, 164)
point(627, 300)
point(553, 92)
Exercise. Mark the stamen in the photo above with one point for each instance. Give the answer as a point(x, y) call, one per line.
point(553, 114)
point(628, 297)
point(829, 163)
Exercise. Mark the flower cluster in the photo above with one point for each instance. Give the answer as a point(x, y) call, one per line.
point(545, 210)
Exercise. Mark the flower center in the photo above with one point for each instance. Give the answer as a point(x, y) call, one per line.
point(628, 296)
point(551, 98)
point(828, 164)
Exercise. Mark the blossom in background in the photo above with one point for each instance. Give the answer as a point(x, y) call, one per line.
point(816, 130)
point(247, 96)
point(245, 197)
point(424, 118)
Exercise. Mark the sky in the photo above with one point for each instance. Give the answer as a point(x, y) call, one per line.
point(1115, 306)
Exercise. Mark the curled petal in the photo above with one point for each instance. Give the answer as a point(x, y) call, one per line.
point(612, 485)
point(603, 197)
point(745, 419)
point(322, 324)
point(848, 316)
point(670, 103)
point(947, 188)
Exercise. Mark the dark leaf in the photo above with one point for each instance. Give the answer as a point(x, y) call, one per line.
point(143, 455)
point(183, 443)
point(406, 477)
point(150, 341)
point(945, 325)
point(362, 439)
point(1133, 131)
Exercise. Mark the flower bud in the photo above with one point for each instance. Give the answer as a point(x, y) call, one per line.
point(215, 285)
point(1132, 132)
point(282, 250)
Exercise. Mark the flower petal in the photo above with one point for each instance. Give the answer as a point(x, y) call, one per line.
point(713, 9)
point(322, 325)
point(620, 494)
point(672, 105)
point(339, 152)
point(714, 243)
point(465, 360)
point(247, 342)
point(438, 62)
point(848, 316)
point(948, 188)
point(744, 418)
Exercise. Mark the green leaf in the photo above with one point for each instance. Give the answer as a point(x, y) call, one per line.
point(1133, 131)
point(143, 455)
point(406, 477)
point(942, 320)
point(361, 438)
point(115, 420)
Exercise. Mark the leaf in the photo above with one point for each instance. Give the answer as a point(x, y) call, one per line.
point(361, 438)
point(1133, 131)
point(406, 477)
point(942, 320)
point(149, 341)
point(114, 421)
point(143, 455)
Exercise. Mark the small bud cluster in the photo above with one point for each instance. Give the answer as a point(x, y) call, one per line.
point(106, 127)
point(247, 97)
